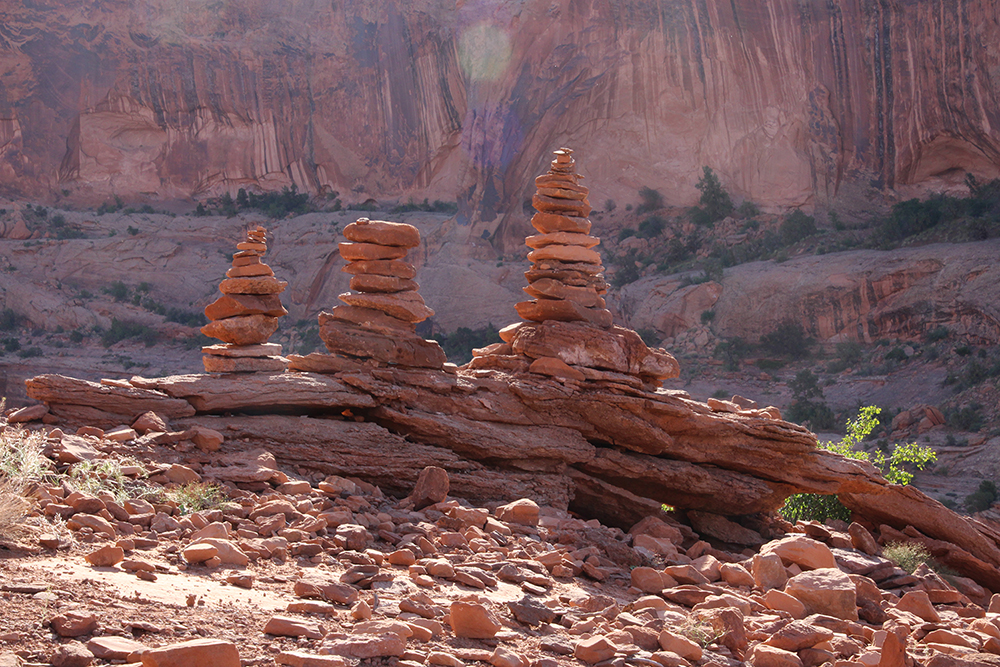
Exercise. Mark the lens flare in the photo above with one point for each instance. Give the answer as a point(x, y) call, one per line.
point(484, 52)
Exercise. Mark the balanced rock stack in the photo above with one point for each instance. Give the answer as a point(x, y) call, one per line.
point(566, 277)
point(246, 314)
point(569, 332)
point(378, 322)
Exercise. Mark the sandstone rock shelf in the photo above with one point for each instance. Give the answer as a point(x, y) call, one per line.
point(619, 450)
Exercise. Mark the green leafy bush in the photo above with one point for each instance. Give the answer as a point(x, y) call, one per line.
point(807, 506)
point(652, 226)
point(715, 201)
point(122, 330)
point(788, 339)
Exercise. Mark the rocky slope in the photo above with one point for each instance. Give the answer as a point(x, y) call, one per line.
point(307, 569)
point(791, 105)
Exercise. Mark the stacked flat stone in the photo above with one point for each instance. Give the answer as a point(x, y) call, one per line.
point(566, 279)
point(569, 332)
point(246, 314)
point(379, 318)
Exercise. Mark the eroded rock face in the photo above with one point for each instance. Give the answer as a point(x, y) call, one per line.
point(155, 100)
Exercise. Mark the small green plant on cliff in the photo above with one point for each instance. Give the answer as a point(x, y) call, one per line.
point(811, 506)
point(715, 201)
point(982, 498)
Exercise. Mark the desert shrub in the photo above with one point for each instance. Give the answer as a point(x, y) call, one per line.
point(896, 354)
point(650, 337)
point(907, 555)
point(788, 339)
point(937, 334)
point(975, 373)
point(33, 351)
point(732, 352)
point(118, 291)
point(796, 226)
point(9, 319)
point(748, 209)
point(122, 330)
point(817, 414)
point(652, 200)
point(76, 336)
point(707, 316)
point(459, 344)
point(11, 344)
point(190, 498)
point(185, 317)
point(610, 205)
point(652, 226)
point(894, 467)
point(770, 364)
point(981, 498)
point(714, 200)
point(625, 233)
point(966, 418)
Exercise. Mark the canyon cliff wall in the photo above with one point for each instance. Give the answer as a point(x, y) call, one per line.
point(791, 103)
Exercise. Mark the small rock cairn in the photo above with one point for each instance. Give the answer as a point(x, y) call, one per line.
point(569, 331)
point(246, 314)
point(378, 323)
point(566, 279)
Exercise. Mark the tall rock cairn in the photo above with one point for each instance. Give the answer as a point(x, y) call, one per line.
point(566, 279)
point(569, 333)
point(246, 314)
point(378, 321)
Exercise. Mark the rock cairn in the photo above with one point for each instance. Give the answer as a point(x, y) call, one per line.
point(378, 321)
point(246, 314)
point(566, 280)
point(569, 331)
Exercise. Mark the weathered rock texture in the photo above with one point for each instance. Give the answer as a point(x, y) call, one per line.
point(787, 102)
point(605, 449)
point(862, 295)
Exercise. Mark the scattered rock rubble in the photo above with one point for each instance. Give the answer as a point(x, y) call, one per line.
point(246, 314)
point(365, 576)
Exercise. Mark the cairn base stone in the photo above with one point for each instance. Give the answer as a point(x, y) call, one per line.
point(231, 305)
point(262, 350)
point(578, 344)
point(214, 364)
point(398, 348)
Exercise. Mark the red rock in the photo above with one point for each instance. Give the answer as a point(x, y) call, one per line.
point(406, 306)
point(249, 271)
point(679, 644)
point(893, 652)
point(194, 653)
point(232, 305)
point(431, 487)
point(366, 646)
point(798, 635)
point(862, 539)
point(565, 253)
point(368, 318)
point(256, 285)
point(150, 421)
point(825, 591)
point(918, 603)
point(302, 659)
point(28, 414)
point(285, 626)
point(472, 620)
point(400, 348)
point(243, 329)
point(549, 223)
point(382, 233)
point(114, 648)
point(331, 591)
point(561, 238)
point(781, 601)
point(214, 364)
point(543, 310)
point(801, 550)
point(106, 556)
point(555, 368)
point(206, 439)
point(74, 624)
point(769, 656)
point(71, 654)
point(375, 283)
point(594, 650)
point(381, 267)
point(363, 252)
point(199, 552)
point(549, 288)
point(768, 571)
point(573, 207)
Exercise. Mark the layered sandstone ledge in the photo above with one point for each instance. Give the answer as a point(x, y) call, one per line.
point(602, 448)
